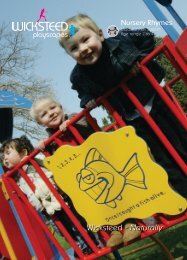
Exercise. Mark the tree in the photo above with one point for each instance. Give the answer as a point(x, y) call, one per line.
point(17, 58)
point(179, 88)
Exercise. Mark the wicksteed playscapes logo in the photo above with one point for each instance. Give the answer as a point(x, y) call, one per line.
point(45, 29)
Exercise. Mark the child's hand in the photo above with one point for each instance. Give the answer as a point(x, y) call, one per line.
point(91, 103)
point(41, 144)
point(63, 126)
point(136, 68)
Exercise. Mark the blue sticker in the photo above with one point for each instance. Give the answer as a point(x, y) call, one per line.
point(72, 30)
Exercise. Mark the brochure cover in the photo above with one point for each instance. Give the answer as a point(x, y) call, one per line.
point(39, 48)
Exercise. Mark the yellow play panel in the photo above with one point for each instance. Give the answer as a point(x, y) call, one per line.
point(111, 177)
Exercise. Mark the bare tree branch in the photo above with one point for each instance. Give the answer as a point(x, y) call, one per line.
point(17, 58)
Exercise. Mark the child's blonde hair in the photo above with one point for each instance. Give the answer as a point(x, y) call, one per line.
point(36, 105)
point(80, 21)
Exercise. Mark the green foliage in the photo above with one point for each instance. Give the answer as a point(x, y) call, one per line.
point(179, 89)
point(107, 120)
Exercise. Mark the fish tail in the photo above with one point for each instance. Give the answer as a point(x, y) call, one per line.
point(133, 173)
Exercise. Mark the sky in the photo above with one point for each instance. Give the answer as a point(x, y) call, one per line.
point(52, 62)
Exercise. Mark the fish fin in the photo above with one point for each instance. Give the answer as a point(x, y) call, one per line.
point(111, 204)
point(138, 184)
point(134, 173)
point(119, 197)
point(94, 155)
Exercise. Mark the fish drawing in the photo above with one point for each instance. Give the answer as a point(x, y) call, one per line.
point(103, 183)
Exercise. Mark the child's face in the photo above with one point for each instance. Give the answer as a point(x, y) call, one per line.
point(11, 157)
point(50, 114)
point(85, 46)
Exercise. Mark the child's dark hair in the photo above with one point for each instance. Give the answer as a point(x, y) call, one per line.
point(19, 144)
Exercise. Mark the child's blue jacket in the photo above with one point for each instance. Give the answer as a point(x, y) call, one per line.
point(121, 53)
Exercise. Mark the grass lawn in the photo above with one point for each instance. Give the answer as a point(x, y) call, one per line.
point(175, 238)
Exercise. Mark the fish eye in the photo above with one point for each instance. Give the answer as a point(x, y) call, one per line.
point(89, 179)
point(87, 176)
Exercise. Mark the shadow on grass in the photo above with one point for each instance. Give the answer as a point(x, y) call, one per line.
point(175, 238)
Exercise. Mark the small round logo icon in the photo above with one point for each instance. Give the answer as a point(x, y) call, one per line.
point(112, 30)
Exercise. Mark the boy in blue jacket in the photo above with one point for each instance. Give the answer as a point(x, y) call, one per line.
point(103, 63)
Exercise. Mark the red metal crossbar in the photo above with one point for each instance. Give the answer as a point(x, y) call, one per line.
point(168, 89)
